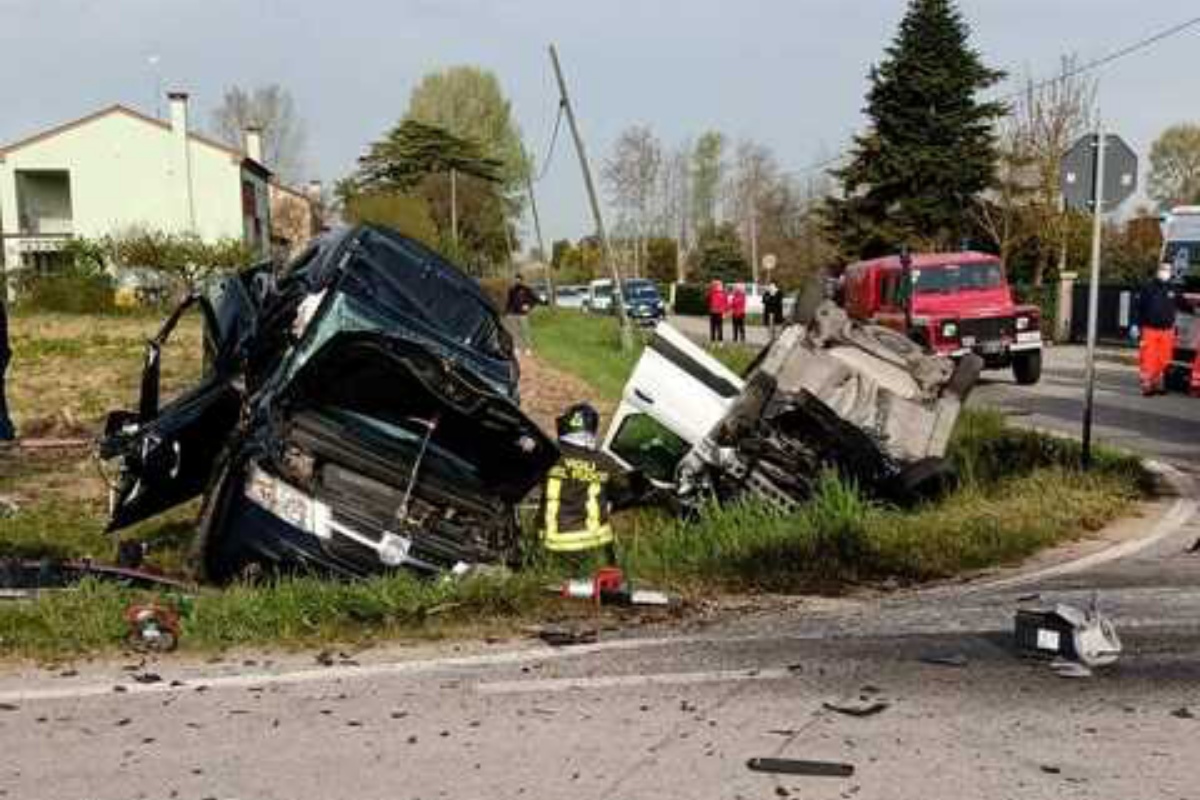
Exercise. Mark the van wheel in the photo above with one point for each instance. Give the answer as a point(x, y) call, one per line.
point(1027, 367)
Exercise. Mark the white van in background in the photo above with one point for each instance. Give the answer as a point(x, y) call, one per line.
point(598, 299)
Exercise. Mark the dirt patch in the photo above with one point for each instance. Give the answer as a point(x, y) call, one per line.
point(546, 392)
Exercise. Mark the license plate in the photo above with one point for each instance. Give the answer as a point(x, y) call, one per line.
point(992, 348)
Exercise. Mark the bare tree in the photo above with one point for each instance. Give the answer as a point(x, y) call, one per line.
point(1047, 119)
point(754, 174)
point(271, 109)
point(630, 174)
point(675, 198)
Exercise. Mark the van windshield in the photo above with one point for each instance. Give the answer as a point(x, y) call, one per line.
point(952, 278)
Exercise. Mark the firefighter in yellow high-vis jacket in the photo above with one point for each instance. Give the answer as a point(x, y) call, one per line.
point(583, 488)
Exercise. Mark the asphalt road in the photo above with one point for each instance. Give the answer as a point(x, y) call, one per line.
point(676, 712)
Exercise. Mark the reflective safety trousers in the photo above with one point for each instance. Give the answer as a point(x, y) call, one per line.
point(575, 503)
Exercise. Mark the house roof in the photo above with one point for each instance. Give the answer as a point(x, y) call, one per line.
point(117, 108)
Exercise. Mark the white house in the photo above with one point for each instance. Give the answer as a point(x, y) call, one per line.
point(118, 169)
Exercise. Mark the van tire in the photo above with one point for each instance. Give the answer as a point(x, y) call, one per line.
point(1027, 367)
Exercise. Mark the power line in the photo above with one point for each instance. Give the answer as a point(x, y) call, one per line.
point(550, 150)
point(1094, 64)
point(1105, 60)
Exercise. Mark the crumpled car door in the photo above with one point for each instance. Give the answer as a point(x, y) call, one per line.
point(166, 455)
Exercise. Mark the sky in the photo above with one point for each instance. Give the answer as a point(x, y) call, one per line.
point(788, 73)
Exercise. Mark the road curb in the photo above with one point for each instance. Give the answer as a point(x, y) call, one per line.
point(1172, 481)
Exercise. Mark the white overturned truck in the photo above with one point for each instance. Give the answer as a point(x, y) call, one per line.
point(829, 393)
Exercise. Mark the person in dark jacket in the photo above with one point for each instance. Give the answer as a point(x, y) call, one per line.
point(772, 309)
point(521, 300)
point(583, 488)
point(1154, 328)
point(7, 432)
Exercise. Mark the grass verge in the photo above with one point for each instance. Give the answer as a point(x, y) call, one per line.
point(1020, 492)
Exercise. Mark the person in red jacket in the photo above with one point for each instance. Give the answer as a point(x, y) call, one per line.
point(737, 312)
point(717, 306)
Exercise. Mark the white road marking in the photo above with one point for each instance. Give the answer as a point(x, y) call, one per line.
point(551, 685)
point(1179, 515)
point(334, 673)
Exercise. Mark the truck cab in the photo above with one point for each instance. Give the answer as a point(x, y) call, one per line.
point(954, 304)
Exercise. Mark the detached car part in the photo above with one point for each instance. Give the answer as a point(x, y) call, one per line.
point(359, 413)
point(829, 393)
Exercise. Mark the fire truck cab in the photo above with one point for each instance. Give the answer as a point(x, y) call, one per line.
point(952, 303)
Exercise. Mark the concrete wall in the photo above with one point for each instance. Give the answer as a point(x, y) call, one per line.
point(126, 172)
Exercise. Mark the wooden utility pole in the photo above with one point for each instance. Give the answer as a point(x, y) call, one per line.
point(618, 292)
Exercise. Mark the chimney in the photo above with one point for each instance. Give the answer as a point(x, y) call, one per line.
point(254, 148)
point(182, 158)
point(179, 112)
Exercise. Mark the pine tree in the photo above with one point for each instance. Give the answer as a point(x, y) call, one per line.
point(930, 145)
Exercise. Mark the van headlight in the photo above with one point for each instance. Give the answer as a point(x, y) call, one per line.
point(949, 330)
point(1022, 323)
point(286, 502)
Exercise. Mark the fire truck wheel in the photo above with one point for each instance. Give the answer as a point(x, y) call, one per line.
point(1027, 367)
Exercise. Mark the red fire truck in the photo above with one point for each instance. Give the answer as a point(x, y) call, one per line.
point(953, 303)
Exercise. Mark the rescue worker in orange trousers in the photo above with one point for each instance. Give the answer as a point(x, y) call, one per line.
point(1154, 328)
point(583, 488)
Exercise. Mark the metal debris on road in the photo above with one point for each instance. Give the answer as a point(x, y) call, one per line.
point(1183, 713)
point(1068, 633)
point(857, 711)
point(1069, 669)
point(794, 766)
point(564, 637)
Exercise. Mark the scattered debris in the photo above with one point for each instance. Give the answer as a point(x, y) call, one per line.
point(857, 711)
point(946, 660)
point(1068, 633)
point(152, 627)
point(609, 587)
point(828, 392)
point(9, 507)
point(562, 637)
point(1069, 669)
point(148, 677)
point(1195, 548)
point(792, 766)
point(1183, 713)
point(1049, 770)
point(26, 578)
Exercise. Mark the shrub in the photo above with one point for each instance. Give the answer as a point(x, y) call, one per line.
point(690, 300)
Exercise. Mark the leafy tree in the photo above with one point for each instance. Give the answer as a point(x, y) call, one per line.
point(271, 109)
point(412, 151)
point(929, 149)
point(719, 255)
point(416, 159)
point(468, 102)
point(662, 259)
point(1175, 166)
point(184, 258)
point(406, 213)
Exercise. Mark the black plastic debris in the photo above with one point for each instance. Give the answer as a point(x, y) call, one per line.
point(866, 710)
point(794, 766)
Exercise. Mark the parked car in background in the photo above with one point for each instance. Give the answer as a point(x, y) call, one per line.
point(959, 303)
point(598, 299)
point(643, 303)
point(570, 296)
